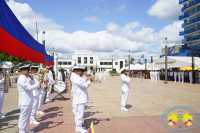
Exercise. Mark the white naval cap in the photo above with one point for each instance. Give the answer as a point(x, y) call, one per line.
point(78, 67)
point(122, 69)
point(50, 67)
point(34, 67)
point(25, 67)
point(59, 69)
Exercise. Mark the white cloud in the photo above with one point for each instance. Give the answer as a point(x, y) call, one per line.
point(166, 9)
point(93, 19)
point(115, 40)
point(121, 8)
point(96, 9)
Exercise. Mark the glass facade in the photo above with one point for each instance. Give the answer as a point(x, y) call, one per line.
point(191, 25)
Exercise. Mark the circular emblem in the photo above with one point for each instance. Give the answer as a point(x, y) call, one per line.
point(180, 118)
point(170, 49)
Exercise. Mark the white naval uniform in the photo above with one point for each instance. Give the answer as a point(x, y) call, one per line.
point(179, 76)
point(151, 76)
point(51, 81)
point(175, 76)
point(104, 75)
point(182, 75)
point(65, 74)
point(25, 101)
point(125, 89)
point(152, 73)
point(80, 97)
point(60, 76)
point(190, 77)
point(1, 93)
point(156, 76)
point(72, 90)
point(36, 93)
point(41, 96)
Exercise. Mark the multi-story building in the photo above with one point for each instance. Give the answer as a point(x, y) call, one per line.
point(191, 25)
point(90, 60)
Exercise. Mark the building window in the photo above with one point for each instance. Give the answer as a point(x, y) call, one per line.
point(91, 68)
point(70, 63)
point(110, 63)
point(121, 64)
point(64, 63)
point(91, 60)
point(101, 63)
point(105, 63)
point(79, 60)
point(59, 63)
point(85, 60)
point(116, 63)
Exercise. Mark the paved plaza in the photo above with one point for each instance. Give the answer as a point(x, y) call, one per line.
point(146, 102)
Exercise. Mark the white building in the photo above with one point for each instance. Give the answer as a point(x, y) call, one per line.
point(90, 60)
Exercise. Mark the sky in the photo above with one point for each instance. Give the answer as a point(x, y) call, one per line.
point(109, 27)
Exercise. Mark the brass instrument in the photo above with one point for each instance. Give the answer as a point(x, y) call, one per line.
point(46, 71)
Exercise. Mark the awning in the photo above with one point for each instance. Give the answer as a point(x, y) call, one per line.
point(15, 40)
point(189, 68)
point(175, 62)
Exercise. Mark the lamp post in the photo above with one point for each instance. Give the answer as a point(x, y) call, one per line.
point(129, 62)
point(112, 65)
point(57, 65)
point(43, 41)
point(166, 61)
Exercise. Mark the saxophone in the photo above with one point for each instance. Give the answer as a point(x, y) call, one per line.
point(47, 83)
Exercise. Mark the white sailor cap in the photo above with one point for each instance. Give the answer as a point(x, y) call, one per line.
point(59, 68)
point(25, 67)
point(34, 67)
point(122, 69)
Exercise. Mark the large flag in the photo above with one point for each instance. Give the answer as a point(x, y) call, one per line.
point(15, 40)
point(91, 128)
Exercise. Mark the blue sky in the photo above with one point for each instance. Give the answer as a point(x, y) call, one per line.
point(70, 13)
point(110, 27)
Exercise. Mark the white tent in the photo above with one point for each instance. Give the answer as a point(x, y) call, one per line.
point(138, 67)
point(175, 62)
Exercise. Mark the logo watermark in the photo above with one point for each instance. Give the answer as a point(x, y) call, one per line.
point(180, 118)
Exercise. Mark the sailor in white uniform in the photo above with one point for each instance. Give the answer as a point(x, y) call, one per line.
point(156, 75)
point(36, 92)
point(25, 98)
point(182, 75)
point(49, 77)
point(175, 75)
point(41, 98)
point(72, 89)
point(125, 88)
point(65, 72)
point(179, 76)
point(80, 97)
point(153, 73)
point(2, 89)
point(190, 77)
point(60, 74)
point(105, 75)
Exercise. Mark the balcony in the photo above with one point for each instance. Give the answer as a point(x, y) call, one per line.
point(188, 31)
point(191, 21)
point(188, 14)
point(192, 38)
point(192, 47)
point(190, 4)
point(182, 1)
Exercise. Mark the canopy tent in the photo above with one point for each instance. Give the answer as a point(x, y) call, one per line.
point(189, 68)
point(174, 62)
point(139, 67)
point(15, 40)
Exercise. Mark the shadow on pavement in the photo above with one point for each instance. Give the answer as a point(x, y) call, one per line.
point(46, 125)
point(128, 106)
point(88, 114)
point(87, 122)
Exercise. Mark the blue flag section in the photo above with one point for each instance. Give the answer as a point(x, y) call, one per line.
point(15, 40)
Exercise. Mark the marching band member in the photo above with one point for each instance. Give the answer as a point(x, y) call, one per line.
point(190, 76)
point(72, 89)
point(25, 89)
point(2, 89)
point(156, 75)
point(182, 75)
point(60, 75)
point(85, 76)
point(153, 73)
point(125, 88)
point(41, 98)
point(36, 92)
point(49, 77)
point(80, 97)
point(179, 76)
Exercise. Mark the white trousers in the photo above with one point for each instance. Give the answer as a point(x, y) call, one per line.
point(1, 100)
point(41, 99)
point(34, 108)
point(49, 92)
point(191, 79)
point(179, 78)
point(182, 78)
point(175, 76)
point(104, 77)
point(158, 77)
point(24, 118)
point(124, 99)
point(79, 114)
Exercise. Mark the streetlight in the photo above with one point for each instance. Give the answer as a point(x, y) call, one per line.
point(129, 62)
point(166, 60)
point(112, 65)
